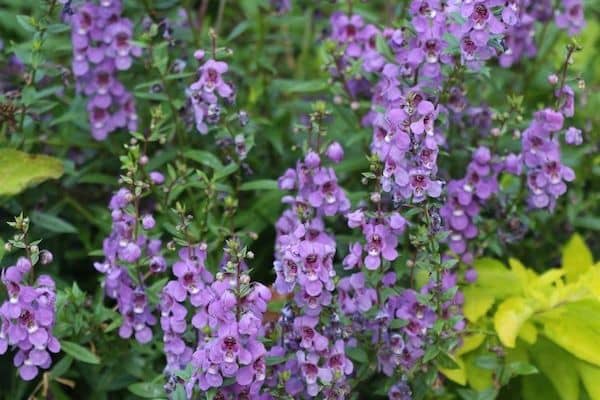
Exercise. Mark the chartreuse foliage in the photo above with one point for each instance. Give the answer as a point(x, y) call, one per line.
point(20, 170)
point(548, 325)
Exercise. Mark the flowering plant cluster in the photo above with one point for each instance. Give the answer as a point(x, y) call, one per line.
point(28, 315)
point(102, 46)
point(292, 200)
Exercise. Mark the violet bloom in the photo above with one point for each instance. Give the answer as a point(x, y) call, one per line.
point(571, 16)
point(354, 296)
point(27, 319)
point(573, 136)
point(102, 45)
point(381, 243)
point(206, 91)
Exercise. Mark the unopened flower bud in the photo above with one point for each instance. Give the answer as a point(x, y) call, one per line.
point(375, 197)
point(553, 79)
point(335, 152)
point(46, 257)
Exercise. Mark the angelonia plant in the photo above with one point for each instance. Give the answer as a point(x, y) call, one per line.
point(28, 315)
point(258, 237)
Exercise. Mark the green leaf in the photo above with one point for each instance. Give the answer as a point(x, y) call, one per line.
point(20, 170)
point(576, 328)
point(558, 366)
point(477, 377)
point(576, 258)
point(79, 352)
point(204, 157)
point(357, 354)
point(61, 367)
point(52, 223)
point(26, 22)
point(226, 171)
point(275, 360)
point(522, 368)
point(300, 86)
point(537, 387)
point(260, 184)
point(383, 48)
point(398, 323)
point(446, 361)
point(510, 317)
point(147, 390)
point(487, 361)
point(590, 376)
point(160, 57)
point(57, 28)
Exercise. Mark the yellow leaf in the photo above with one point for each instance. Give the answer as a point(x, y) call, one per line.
point(477, 302)
point(20, 170)
point(498, 280)
point(510, 316)
point(558, 366)
point(523, 274)
point(458, 375)
point(576, 258)
point(590, 376)
point(470, 343)
point(576, 328)
point(528, 332)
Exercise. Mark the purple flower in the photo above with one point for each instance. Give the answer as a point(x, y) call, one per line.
point(573, 136)
point(571, 16)
point(27, 319)
point(335, 152)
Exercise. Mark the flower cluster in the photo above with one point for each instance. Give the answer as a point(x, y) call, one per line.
point(102, 46)
point(191, 280)
point(27, 319)
point(465, 198)
point(381, 239)
point(229, 314)
point(546, 175)
point(204, 93)
point(358, 41)
point(304, 251)
point(407, 143)
point(570, 16)
point(126, 250)
point(304, 261)
point(401, 348)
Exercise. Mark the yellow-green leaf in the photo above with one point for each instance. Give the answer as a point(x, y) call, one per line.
point(478, 378)
point(590, 376)
point(498, 280)
point(576, 258)
point(470, 342)
point(576, 328)
point(458, 375)
point(510, 317)
point(19, 170)
point(523, 274)
point(528, 332)
point(558, 366)
point(477, 302)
